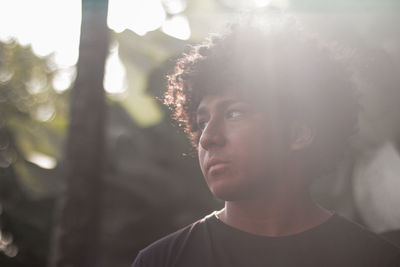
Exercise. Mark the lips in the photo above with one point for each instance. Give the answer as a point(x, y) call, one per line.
point(214, 164)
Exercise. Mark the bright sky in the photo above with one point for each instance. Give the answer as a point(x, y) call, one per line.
point(49, 25)
point(53, 26)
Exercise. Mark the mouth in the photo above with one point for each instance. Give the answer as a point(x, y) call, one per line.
point(216, 165)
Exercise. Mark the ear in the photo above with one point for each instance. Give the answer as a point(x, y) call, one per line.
point(302, 136)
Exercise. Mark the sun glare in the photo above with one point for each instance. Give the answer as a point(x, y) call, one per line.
point(178, 27)
point(115, 74)
point(48, 26)
point(138, 16)
point(42, 160)
point(51, 26)
point(63, 78)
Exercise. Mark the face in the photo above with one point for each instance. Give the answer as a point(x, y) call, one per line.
point(240, 148)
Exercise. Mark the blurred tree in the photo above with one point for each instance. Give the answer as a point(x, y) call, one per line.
point(31, 124)
point(76, 234)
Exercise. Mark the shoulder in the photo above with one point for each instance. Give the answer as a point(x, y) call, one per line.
point(360, 241)
point(344, 227)
point(164, 251)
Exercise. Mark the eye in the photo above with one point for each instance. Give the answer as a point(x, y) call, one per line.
point(201, 124)
point(234, 114)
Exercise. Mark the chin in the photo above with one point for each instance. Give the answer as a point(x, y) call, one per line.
point(230, 193)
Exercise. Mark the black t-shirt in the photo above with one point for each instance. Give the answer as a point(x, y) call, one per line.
point(210, 242)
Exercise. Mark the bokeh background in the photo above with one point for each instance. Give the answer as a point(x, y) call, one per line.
point(92, 169)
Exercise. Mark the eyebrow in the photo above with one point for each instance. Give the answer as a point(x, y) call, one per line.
point(220, 105)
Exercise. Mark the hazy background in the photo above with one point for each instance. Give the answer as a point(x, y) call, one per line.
point(90, 176)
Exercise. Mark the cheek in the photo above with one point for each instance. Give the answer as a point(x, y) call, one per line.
point(250, 142)
point(201, 155)
point(251, 158)
point(258, 153)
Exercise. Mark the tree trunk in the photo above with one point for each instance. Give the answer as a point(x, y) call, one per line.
point(76, 233)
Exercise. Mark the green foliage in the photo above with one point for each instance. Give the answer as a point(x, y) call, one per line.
point(32, 121)
point(29, 103)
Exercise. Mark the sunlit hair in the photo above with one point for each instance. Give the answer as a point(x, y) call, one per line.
point(279, 67)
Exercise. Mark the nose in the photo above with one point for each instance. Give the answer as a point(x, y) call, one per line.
point(213, 135)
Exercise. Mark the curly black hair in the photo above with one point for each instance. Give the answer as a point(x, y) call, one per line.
point(280, 66)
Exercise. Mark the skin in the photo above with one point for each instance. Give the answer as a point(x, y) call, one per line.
point(247, 163)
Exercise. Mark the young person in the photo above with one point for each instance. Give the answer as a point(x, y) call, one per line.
point(268, 110)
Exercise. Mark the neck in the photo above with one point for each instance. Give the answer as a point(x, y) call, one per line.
point(279, 214)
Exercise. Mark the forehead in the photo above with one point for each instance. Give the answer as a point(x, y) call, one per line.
point(220, 100)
